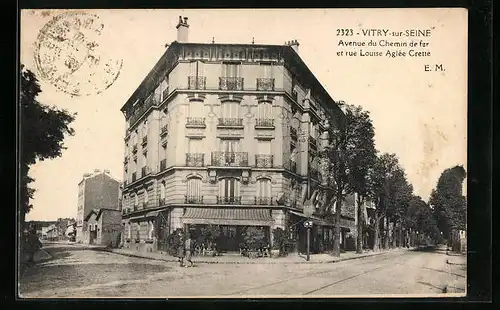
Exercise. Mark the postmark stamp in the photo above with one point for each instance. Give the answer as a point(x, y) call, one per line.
point(68, 54)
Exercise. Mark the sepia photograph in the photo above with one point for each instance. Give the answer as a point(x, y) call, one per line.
point(242, 153)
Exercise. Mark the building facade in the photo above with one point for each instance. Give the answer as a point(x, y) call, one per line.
point(228, 135)
point(103, 227)
point(96, 191)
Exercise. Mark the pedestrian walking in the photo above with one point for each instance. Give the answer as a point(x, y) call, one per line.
point(187, 249)
point(180, 249)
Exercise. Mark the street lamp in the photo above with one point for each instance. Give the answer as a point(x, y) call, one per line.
point(308, 224)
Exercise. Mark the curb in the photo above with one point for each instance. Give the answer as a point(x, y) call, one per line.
point(241, 262)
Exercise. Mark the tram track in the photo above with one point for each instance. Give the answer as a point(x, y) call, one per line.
point(373, 260)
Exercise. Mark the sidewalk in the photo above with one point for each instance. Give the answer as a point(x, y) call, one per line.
point(238, 259)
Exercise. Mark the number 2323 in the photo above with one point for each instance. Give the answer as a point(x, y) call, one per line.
point(345, 32)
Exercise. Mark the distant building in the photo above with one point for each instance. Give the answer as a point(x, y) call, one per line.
point(103, 227)
point(96, 191)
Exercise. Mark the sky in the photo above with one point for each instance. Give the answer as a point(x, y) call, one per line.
point(421, 116)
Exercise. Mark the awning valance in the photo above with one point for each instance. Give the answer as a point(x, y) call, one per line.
point(149, 215)
point(237, 216)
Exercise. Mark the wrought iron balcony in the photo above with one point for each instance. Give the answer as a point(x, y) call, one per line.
point(266, 84)
point(264, 161)
point(195, 122)
point(230, 122)
point(230, 159)
point(235, 200)
point(264, 122)
point(163, 165)
point(195, 159)
point(193, 199)
point(164, 131)
point(134, 149)
point(144, 140)
point(264, 201)
point(134, 176)
point(293, 133)
point(231, 83)
point(141, 107)
point(161, 201)
point(145, 171)
point(197, 82)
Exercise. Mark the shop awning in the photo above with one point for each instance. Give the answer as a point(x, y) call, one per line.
point(321, 222)
point(237, 216)
point(149, 215)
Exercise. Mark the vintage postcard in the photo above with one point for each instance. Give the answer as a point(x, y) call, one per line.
point(243, 153)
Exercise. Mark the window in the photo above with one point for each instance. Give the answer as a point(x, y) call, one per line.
point(196, 68)
point(229, 145)
point(146, 196)
point(163, 89)
point(162, 190)
point(231, 69)
point(136, 199)
point(195, 145)
point(150, 230)
point(264, 110)
point(264, 188)
point(229, 188)
point(230, 109)
point(267, 69)
point(194, 187)
point(264, 147)
point(196, 108)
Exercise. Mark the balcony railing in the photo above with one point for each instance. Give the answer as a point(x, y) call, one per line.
point(134, 149)
point(236, 200)
point(264, 161)
point(140, 109)
point(230, 159)
point(197, 82)
point(264, 122)
point(231, 83)
point(293, 133)
point(134, 176)
point(236, 122)
point(266, 84)
point(163, 165)
point(144, 140)
point(195, 159)
point(161, 201)
point(193, 199)
point(164, 131)
point(264, 201)
point(145, 171)
point(195, 122)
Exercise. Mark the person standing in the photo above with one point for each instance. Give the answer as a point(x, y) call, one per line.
point(187, 249)
point(180, 249)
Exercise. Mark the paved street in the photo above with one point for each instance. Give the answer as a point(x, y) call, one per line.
point(80, 272)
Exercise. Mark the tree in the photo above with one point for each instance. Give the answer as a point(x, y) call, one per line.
point(450, 206)
point(385, 176)
point(361, 156)
point(419, 217)
point(43, 129)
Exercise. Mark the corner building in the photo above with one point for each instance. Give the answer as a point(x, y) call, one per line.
point(222, 134)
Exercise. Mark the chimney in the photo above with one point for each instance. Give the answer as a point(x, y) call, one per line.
point(182, 30)
point(97, 171)
point(294, 44)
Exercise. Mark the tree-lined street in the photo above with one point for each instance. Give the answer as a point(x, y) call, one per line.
point(81, 272)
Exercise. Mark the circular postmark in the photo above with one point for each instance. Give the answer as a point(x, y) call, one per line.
point(68, 55)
